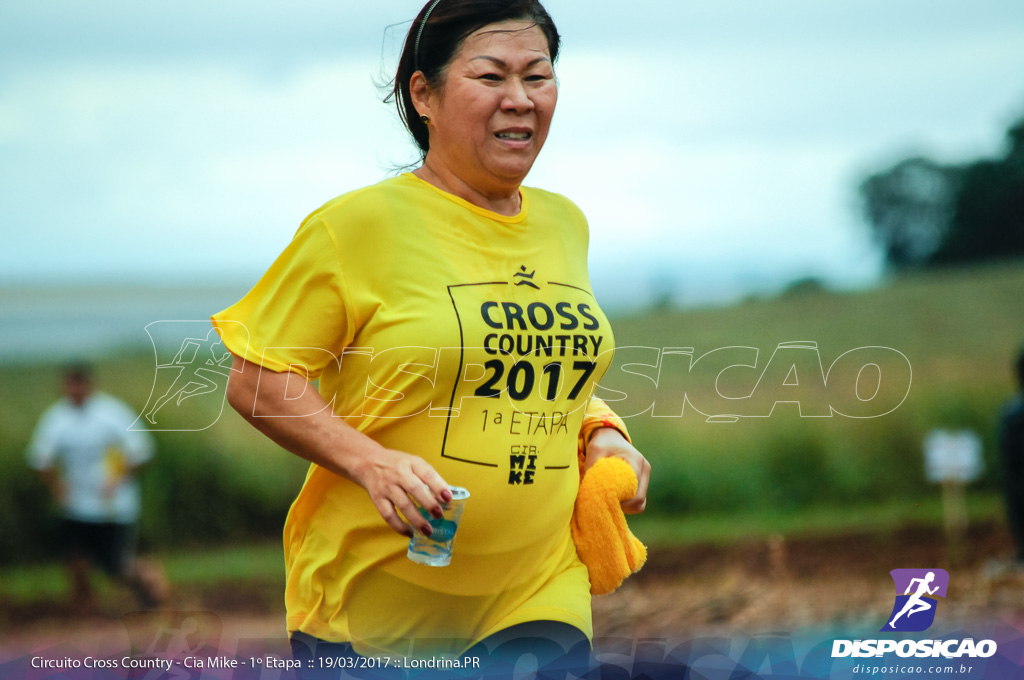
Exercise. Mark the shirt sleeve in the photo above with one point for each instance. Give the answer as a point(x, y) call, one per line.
point(295, 318)
point(136, 444)
point(599, 415)
point(42, 449)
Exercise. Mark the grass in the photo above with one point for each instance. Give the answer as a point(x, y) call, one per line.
point(251, 565)
point(262, 564)
point(675, 531)
point(34, 582)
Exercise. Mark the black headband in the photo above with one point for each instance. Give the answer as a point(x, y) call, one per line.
point(419, 34)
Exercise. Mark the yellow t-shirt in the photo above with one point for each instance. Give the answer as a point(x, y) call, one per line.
point(460, 335)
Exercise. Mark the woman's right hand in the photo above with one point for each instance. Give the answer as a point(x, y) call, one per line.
point(394, 480)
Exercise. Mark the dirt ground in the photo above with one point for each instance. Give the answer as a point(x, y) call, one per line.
point(745, 588)
point(785, 585)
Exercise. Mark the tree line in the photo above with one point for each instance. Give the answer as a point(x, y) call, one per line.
point(925, 214)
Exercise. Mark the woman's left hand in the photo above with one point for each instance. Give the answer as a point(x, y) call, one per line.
point(606, 442)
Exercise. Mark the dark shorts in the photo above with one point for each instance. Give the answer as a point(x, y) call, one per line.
point(550, 649)
point(109, 545)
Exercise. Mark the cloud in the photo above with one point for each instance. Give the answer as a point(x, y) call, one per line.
point(272, 36)
point(731, 132)
point(157, 159)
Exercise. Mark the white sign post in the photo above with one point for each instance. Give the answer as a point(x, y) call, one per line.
point(953, 458)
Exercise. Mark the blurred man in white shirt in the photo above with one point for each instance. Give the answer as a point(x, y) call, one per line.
point(89, 459)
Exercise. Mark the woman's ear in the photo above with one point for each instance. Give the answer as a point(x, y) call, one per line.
point(419, 92)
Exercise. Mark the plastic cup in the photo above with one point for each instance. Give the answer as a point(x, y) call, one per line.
point(436, 550)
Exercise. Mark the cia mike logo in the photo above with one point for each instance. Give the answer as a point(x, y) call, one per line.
point(914, 609)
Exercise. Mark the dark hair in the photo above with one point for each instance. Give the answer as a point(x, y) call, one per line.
point(80, 371)
point(438, 40)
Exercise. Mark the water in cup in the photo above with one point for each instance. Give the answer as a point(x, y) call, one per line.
point(436, 550)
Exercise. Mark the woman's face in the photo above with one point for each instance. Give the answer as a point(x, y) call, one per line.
point(490, 117)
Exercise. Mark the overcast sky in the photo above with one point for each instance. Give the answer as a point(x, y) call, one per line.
point(717, 144)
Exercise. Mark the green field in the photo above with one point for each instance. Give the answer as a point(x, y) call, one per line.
point(959, 330)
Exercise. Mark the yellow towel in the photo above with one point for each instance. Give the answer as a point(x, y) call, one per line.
point(603, 540)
